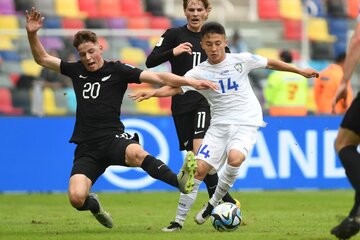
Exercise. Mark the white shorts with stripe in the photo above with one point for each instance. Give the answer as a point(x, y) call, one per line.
point(221, 138)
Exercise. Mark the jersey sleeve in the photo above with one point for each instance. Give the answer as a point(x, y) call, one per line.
point(67, 68)
point(129, 72)
point(254, 61)
point(163, 50)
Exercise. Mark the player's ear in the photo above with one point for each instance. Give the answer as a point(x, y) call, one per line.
point(101, 47)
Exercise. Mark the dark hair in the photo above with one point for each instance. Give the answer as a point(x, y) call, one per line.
point(205, 2)
point(286, 56)
point(84, 36)
point(340, 57)
point(212, 27)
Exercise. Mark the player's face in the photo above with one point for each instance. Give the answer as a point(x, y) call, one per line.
point(214, 46)
point(91, 56)
point(196, 14)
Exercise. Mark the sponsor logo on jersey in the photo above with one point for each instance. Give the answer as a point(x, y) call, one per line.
point(238, 67)
point(83, 77)
point(225, 72)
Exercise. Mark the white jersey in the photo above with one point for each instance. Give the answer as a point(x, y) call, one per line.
point(234, 102)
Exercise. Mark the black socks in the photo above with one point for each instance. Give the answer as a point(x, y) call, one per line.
point(90, 204)
point(159, 170)
point(350, 159)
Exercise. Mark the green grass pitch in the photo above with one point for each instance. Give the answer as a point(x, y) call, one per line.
point(279, 215)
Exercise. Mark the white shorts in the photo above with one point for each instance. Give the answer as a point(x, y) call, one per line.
point(221, 138)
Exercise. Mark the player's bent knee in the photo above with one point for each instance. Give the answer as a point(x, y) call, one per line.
point(135, 155)
point(76, 200)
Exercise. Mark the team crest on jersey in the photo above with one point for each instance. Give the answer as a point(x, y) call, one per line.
point(158, 44)
point(238, 67)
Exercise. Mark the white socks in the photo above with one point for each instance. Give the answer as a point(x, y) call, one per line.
point(185, 203)
point(226, 181)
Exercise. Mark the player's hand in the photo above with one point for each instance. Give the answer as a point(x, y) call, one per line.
point(341, 93)
point(183, 48)
point(203, 84)
point(140, 96)
point(310, 73)
point(34, 20)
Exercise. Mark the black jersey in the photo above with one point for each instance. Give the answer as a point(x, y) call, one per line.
point(180, 64)
point(99, 96)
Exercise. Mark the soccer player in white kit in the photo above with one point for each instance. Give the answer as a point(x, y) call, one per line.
point(236, 113)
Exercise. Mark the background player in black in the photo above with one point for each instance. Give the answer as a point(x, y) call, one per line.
point(348, 138)
point(191, 111)
point(99, 134)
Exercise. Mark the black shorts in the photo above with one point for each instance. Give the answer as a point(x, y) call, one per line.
point(93, 157)
point(351, 119)
point(190, 126)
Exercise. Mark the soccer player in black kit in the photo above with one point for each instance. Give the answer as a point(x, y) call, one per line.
point(348, 138)
point(190, 111)
point(99, 134)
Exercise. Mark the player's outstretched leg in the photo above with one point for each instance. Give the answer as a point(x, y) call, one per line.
point(187, 173)
point(204, 213)
point(346, 229)
point(102, 216)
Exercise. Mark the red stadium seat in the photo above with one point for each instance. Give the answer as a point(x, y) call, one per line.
point(72, 23)
point(132, 7)
point(6, 103)
point(139, 22)
point(353, 8)
point(109, 8)
point(268, 9)
point(160, 22)
point(89, 7)
point(292, 29)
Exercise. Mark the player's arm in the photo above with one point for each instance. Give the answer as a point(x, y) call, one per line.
point(170, 79)
point(164, 91)
point(165, 49)
point(283, 66)
point(351, 60)
point(34, 22)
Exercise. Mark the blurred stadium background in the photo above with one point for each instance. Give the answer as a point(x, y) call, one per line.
point(314, 30)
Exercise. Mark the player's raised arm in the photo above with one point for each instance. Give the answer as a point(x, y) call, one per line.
point(165, 91)
point(175, 80)
point(283, 66)
point(34, 21)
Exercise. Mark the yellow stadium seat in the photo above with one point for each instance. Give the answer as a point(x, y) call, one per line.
point(133, 55)
point(9, 22)
point(68, 8)
point(150, 106)
point(49, 103)
point(271, 53)
point(318, 30)
point(290, 9)
point(6, 43)
point(30, 67)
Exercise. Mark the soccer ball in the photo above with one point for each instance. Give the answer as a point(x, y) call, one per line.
point(226, 217)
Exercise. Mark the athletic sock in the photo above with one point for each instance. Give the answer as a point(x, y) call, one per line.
point(226, 181)
point(350, 159)
point(355, 211)
point(211, 181)
point(159, 170)
point(186, 201)
point(90, 204)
